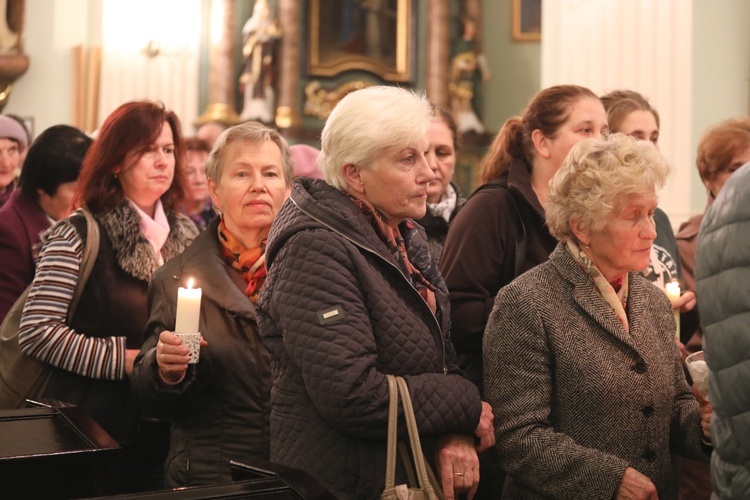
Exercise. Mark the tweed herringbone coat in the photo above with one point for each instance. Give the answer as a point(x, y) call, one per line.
point(577, 397)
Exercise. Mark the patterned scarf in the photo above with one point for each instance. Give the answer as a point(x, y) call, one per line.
point(615, 293)
point(248, 261)
point(395, 242)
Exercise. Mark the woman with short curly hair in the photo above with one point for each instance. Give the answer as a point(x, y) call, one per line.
point(579, 354)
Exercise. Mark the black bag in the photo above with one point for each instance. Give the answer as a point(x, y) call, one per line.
point(21, 376)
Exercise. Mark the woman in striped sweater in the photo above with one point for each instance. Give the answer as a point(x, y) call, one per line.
point(131, 180)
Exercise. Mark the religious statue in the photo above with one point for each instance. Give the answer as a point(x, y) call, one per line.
point(8, 38)
point(256, 81)
point(466, 62)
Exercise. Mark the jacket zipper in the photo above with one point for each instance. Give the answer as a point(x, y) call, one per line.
point(376, 254)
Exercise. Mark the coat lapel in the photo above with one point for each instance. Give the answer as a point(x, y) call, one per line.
point(587, 297)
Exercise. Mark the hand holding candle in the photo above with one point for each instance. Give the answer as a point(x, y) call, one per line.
point(673, 292)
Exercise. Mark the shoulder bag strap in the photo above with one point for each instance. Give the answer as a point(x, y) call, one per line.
point(432, 490)
point(520, 236)
point(390, 468)
point(90, 251)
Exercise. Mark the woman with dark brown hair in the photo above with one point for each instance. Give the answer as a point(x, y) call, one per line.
point(479, 256)
point(505, 216)
point(131, 181)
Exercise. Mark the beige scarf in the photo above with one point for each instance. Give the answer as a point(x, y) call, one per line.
point(616, 293)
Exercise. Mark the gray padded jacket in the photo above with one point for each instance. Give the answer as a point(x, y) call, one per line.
point(722, 272)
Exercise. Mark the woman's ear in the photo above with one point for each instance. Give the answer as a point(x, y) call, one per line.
point(214, 193)
point(353, 176)
point(580, 231)
point(541, 143)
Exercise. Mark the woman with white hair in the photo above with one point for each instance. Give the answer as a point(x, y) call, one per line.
point(579, 352)
point(219, 406)
point(352, 295)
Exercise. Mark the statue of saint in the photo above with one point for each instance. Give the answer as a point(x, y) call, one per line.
point(8, 38)
point(466, 62)
point(256, 81)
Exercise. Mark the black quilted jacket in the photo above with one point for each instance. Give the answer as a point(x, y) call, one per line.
point(337, 314)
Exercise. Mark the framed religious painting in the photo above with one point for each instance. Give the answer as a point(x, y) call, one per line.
point(527, 20)
point(377, 36)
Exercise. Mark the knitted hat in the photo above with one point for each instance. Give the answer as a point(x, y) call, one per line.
point(305, 161)
point(11, 129)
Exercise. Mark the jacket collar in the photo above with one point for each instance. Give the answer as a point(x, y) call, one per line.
point(314, 203)
point(218, 281)
point(134, 253)
point(591, 302)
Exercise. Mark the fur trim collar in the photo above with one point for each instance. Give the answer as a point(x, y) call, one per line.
point(133, 252)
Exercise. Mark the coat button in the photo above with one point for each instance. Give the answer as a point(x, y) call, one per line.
point(649, 454)
point(648, 410)
point(639, 367)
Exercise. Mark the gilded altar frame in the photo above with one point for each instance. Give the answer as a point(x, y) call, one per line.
point(346, 35)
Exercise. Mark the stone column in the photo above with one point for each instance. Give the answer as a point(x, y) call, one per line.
point(438, 51)
point(221, 63)
point(288, 70)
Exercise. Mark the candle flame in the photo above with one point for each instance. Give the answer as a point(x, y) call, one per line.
point(190, 283)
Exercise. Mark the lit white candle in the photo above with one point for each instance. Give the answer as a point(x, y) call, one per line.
point(188, 309)
point(673, 292)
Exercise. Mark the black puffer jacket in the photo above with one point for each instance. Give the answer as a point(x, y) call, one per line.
point(337, 314)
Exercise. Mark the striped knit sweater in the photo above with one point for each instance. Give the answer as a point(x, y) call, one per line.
point(44, 333)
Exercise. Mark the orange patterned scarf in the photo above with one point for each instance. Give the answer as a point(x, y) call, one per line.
point(248, 261)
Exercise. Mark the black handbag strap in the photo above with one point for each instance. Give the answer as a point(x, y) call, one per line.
point(88, 258)
point(521, 242)
point(520, 236)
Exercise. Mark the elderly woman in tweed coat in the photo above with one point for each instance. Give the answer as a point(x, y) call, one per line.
point(580, 359)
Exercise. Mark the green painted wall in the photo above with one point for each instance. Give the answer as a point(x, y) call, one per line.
point(515, 67)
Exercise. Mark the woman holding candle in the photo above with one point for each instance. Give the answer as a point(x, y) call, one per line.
point(580, 360)
point(352, 295)
point(131, 181)
point(219, 407)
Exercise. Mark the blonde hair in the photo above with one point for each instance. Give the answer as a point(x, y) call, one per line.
point(595, 179)
point(620, 103)
point(254, 133)
point(367, 122)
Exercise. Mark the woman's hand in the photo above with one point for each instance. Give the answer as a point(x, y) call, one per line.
point(485, 430)
point(636, 486)
point(707, 410)
point(685, 303)
point(172, 357)
point(458, 465)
